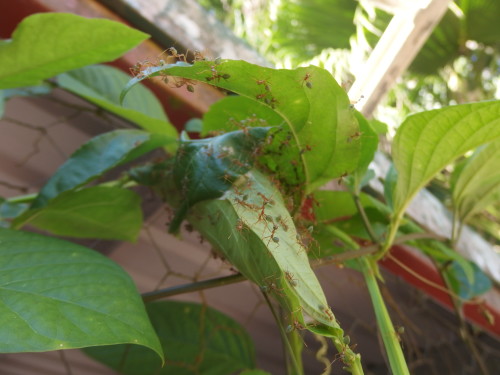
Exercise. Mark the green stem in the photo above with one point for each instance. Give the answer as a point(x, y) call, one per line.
point(192, 287)
point(364, 217)
point(393, 230)
point(397, 361)
point(28, 198)
point(298, 370)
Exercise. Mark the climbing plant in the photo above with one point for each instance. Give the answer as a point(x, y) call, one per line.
point(249, 183)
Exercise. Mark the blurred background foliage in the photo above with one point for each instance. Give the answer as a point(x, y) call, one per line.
point(459, 63)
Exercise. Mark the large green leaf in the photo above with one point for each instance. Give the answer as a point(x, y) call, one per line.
point(196, 339)
point(46, 44)
point(252, 228)
point(426, 142)
point(58, 295)
point(315, 108)
point(97, 156)
point(478, 184)
point(102, 86)
point(98, 212)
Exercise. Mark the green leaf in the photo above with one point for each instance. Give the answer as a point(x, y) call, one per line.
point(466, 287)
point(102, 85)
point(194, 125)
point(315, 108)
point(98, 212)
point(206, 168)
point(196, 339)
point(46, 44)
point(390, 181)
point(369, 143)
point(261, 240)
point(478, 183)
point(58, 295)
point(238, 112)
point(97, 156)
point(427, 142)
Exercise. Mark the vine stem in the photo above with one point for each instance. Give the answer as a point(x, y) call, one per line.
point(356, 252)
point(364, 217)
point(390, 338)
point(393, 229)
point(298, 370)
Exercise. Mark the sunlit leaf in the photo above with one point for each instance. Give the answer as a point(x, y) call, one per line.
point(426, 142)
point(314, 107)
point(46, 44)
point(478, 182)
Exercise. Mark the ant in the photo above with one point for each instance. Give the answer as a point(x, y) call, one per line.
point(198, 56)
point(179, 82)
point(306, 81)
point(354, 136)
point(267, 87)
point(282, 222)
point(270, 286)
point(272, 237)
point(137, 70)
point(245, 204)
point(174, 54)
point(291, 280)
point(329, 312)
point(265, 199)
point(305, 149)
point(240, 225)
point(341, 178)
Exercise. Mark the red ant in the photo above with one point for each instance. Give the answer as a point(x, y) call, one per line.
point(272, 237)
point(306, 81)
point(354, 136)
point(137, 70)
point(245, 204)
point(267, 87)
point(270, 286)
point(291, 280)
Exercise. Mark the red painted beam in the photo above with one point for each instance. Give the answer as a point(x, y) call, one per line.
point(422, 274)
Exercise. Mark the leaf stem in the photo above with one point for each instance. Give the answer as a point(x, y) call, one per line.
point(397, 361)
point(292, 355)
point(364, 217)
point(393, 230)
point(192, 287)
point(355, 252)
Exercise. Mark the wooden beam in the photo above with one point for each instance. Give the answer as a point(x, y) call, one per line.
point(394, 52)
